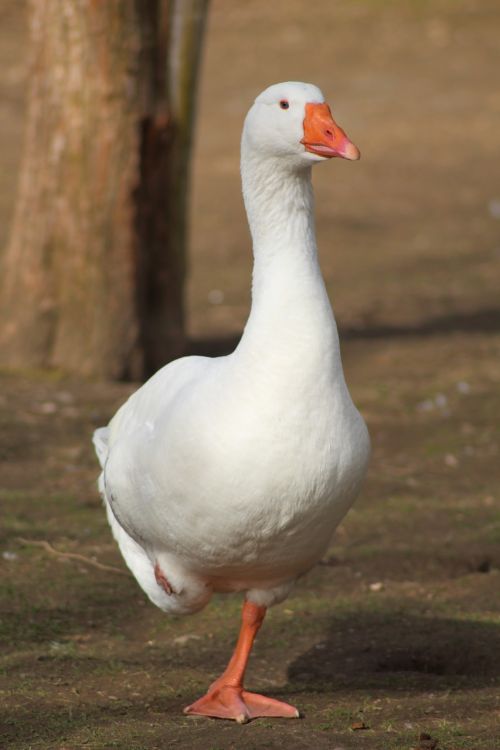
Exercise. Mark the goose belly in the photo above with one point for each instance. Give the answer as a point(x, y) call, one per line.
point(273, 541)
point(258, 496)
point(253, 515)
point(283, 525)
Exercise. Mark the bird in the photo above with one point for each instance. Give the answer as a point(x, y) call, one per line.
point(230, 474)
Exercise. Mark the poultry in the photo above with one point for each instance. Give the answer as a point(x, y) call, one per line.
point(231, 473)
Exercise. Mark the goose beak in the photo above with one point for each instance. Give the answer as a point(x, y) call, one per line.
point(322, 135)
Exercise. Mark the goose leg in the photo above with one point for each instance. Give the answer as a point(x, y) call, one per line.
point(226, 698)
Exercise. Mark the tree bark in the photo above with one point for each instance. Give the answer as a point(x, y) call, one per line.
point(92, 279)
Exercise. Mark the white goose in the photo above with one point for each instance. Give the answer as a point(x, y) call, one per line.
point(231, 473)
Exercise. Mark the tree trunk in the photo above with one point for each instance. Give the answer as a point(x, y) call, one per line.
point(92, 279)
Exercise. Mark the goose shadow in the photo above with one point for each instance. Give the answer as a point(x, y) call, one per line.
point(399, 652)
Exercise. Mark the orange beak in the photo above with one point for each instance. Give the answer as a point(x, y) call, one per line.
point(324, 137)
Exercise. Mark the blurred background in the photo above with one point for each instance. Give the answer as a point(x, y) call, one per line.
point(410, 237)
point(399, 627)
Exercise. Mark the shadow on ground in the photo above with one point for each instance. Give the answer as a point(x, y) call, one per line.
point(400, 652)
point(377, 655)
point(477, 321)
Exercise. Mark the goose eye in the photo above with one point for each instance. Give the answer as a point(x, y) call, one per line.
point(284, 104)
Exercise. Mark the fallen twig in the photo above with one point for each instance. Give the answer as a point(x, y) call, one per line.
point(71, 556)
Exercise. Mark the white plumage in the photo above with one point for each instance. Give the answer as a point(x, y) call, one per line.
point(232, 473)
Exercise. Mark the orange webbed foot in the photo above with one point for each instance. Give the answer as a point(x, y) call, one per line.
point(228, 702)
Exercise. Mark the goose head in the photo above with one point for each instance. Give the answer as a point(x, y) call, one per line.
point(291, 121)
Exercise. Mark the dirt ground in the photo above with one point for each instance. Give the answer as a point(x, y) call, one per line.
point(399, 628)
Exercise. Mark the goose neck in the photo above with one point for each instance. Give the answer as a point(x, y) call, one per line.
point(291, 319)
point(279, 206)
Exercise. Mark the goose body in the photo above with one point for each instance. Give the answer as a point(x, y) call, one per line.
point(231, 473)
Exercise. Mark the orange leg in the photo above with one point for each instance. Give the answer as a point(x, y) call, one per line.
point(226, 697)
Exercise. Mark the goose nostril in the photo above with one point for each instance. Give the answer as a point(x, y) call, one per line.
point(329, 133)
